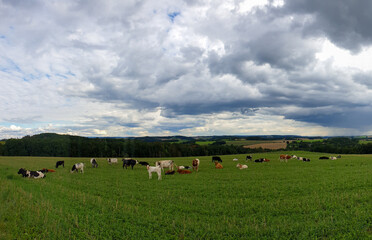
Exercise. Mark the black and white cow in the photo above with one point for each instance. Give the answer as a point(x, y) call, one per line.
point(144, 163)
point(216, 158)
point(31, 174)
point(60, 163)
point(94, 163)
point(129, 162)
point(249, 157)
point(77, 167)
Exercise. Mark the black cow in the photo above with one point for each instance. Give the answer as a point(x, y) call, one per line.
point(169, 172)
point(216, 158)
point(324, 157)
point(144, 163)
point(129, 162)
point(249, 157)
point(306, 159)
point(259, 160)
point(59, 163)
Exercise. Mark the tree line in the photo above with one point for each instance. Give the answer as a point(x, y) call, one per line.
point(55, 145)
point(340, 145)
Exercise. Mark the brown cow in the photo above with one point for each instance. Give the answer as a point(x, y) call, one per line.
point(218, 165)
point(284, 157)
point(181, 171)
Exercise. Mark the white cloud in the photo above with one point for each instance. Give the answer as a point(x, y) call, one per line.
point(127, 68)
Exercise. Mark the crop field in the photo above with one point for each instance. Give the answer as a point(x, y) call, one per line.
point(321, 199)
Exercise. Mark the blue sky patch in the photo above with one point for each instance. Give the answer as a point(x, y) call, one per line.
point(173, 15)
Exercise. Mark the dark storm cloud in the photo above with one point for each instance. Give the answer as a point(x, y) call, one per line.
point(345, 22)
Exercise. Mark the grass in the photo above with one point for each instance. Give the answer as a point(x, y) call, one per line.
point(295, 200)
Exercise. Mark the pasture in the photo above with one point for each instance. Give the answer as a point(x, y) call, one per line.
point(321, 199)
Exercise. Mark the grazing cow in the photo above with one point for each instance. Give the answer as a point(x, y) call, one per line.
point(284, 157)
point(218, 165)
point(249, 157)
point(323, 157)
point(156, 169)
point(195, 164)
point(181, 171)
point(165, 164)
point(129, 162)
point(169, 172)
point(144, 163)
point(94, 163)
point(59, 163)
point(112, 160)
point(216, 158)
point(31, 174)
point(235, 159)
point(77, 167)
point(240, 166)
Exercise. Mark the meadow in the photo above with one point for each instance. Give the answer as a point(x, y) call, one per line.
point(321, 199)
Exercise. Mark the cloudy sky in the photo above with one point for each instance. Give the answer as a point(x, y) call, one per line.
point(167, 67)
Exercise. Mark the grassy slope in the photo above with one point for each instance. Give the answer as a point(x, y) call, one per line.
point(320, 199)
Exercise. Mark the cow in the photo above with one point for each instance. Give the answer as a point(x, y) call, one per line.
point(156, 169)
point(235, 159)
point(339, 156)
point(323, 157)
point(169, 172)
point(284, 157)
point(306, 159)
point(266, 160)
point(129, 162)
point(31, 174)
point(77, 167)
point(144, 163)
point(94, 163)
point(218, 165)
point(333, 158)
point(240, 166)
point(45, 170)
point(259, 160)
point(112, 160)
point(181, 171)
point(216, 158)
point(195, 164)
point(165, 164)
point(249, 157)
point(59, 163)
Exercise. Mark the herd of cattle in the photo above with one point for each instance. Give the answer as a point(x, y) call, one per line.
point(160, 165)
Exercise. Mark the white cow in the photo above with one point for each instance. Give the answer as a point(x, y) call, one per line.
point(333, 158)
point(112, 160)
point(156, 169)
point(240, 166)
point(235, 159)
point(165, 164)
point(77, 167)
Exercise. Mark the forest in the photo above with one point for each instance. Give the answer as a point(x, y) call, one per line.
point(55, 145)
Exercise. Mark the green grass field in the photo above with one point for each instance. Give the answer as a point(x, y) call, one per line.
point(322, 199)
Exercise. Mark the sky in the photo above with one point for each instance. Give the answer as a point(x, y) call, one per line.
point(106, 68)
